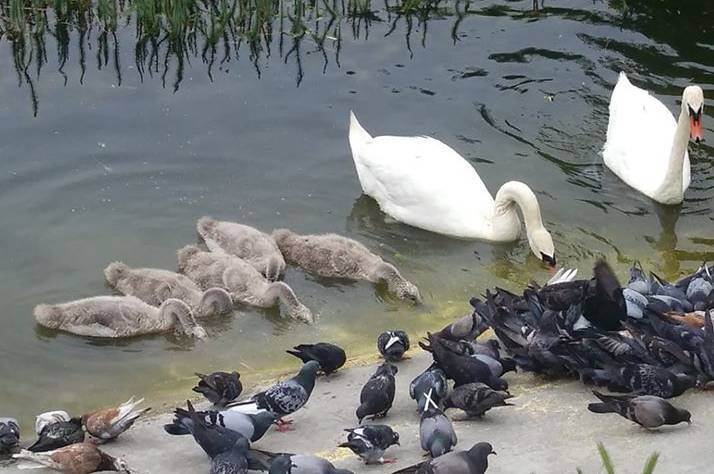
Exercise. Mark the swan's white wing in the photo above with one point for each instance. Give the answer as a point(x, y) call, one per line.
point(640, 133)
point(425, 183)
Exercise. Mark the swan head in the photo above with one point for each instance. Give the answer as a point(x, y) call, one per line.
point(693, 105)
point(542, 246)
point(300, 312)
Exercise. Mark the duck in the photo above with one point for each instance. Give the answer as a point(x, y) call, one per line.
point(245, 284)
point(154, 286)
point(118, 317)
point(255, 247)
point(336, 256)
point(646, 147)
point(425, 183)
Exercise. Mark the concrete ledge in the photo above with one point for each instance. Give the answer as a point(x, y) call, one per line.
point(549, 431)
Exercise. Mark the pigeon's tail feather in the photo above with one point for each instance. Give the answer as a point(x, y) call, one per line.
point(409, 470)
point(176, 429)
point(297, 354)
point(599, 408)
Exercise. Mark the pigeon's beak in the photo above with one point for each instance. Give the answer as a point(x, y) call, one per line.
point(494, 453)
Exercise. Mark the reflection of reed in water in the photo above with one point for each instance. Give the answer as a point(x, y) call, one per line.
point(169, 33)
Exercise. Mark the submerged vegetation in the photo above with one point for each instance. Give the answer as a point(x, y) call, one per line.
point(166, 35)
point(170, 33)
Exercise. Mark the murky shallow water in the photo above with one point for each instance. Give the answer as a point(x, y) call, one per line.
point(107, 171)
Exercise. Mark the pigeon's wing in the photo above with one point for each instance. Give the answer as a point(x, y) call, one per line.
point(648, 411)
point(404, 338)
point(285, 397)
point(451, 463)
point(236, 421)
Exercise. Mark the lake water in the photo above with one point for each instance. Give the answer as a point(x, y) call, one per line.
point(106, 155)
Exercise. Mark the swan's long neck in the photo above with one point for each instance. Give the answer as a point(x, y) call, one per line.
point(279, 291)
point(505, 218)
point(672, 187)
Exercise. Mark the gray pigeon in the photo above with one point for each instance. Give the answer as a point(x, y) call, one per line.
point(377, 394)
point(9, 434)
point(251, 425)
point(646, 410)
point(466, 328)
point(232, 461)
point(303, 464)
point(288, 396)
point(436, 432)
point(473, 461)
point(369, 442)
point(433, 379)
point(476, 399)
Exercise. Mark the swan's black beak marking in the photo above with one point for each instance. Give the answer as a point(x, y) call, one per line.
point(548, 260)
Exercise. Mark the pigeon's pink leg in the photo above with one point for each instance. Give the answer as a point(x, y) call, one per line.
point(283, 425)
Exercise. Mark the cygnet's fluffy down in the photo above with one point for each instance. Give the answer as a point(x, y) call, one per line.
point(335, 256)
point(154, 286)
point(118, 316)
point(244, 283)
point(255, 247)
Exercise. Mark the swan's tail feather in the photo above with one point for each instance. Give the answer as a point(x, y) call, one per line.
point(48, 315)
point(358, 136)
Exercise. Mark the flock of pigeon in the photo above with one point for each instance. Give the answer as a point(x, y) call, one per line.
point(242, 266)
point(646, 342)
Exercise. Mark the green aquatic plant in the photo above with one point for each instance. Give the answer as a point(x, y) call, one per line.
point(609, 466)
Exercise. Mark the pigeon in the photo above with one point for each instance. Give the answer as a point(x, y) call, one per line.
point(436, 432)
point(604, 306)
point(58, 435)
point(641, 379)
point(299, 464)
point(251, 425)
point(392, 345)
point(377, 395)
point(44, 419)
point(466, 328)
point(9, 434)
point(109, 423)
point(213, 438)
point(232, 461)
point(370, 441)
point(432, 379)
point(462, 369)
point(219, 388)
point(79, 458)
point(645, 410)
point(288, 396)
point(699, 292)
point(476, 399)
point(330, 356)
point(473, 461)
point(638, 281)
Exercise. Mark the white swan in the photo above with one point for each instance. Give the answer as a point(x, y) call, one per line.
point(646, 147)
point(425, 183)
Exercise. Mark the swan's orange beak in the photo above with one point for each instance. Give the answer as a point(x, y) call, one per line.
point(695, 126)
